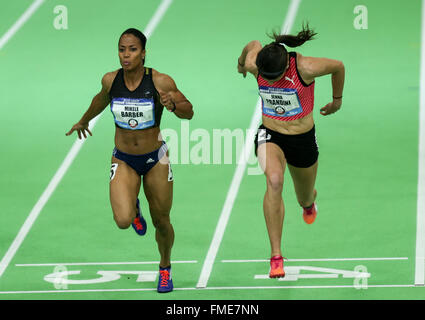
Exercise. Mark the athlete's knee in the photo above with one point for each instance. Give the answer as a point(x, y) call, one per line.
point(275, 181)
point(123, 221)
point(161, 222)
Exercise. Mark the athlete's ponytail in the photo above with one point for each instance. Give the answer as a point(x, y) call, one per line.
point(304, 35)
point(272, 58)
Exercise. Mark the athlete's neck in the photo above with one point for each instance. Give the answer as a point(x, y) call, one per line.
point(133, 76)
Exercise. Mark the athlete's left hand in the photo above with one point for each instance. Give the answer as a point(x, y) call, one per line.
point(241, 69)
point(166, 100)
point(331, 107)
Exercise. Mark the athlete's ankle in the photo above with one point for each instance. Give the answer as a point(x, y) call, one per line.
point(276, 254)
point(309, 207)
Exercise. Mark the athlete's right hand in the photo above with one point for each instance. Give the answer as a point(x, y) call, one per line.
point(331, 107)
point(81, 129)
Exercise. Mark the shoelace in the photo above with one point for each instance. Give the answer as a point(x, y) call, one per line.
point(164, 277)
point(276, 263)
point(138, 224)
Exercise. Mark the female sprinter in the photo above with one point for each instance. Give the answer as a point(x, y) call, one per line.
point(287, 134)
point(137, 95)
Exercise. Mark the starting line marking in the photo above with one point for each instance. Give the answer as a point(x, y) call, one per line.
point(213, 288)
point(98, 263)
point(312, 260)
point(293, 273)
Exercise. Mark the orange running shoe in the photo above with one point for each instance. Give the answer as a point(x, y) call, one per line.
point(276, 267)
point(309, 214)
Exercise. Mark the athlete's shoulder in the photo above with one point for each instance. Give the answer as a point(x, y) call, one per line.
point(108, 78)
point(299, 57)
point(160, 76)
point(303, 62)
point(305, 66)
point(162, 80)
point(312, 67)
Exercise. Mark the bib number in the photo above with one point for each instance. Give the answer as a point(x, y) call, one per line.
point(280, 102)
point(133, 113)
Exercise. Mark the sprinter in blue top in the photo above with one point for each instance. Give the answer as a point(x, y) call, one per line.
point(137, 96)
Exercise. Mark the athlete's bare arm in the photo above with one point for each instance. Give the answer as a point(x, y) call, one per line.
point(98, 104)
point(311, 68)
point(171, 97)
point(246, 61)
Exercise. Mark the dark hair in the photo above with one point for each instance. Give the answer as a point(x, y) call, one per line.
point(272, 58)
point(138, 34)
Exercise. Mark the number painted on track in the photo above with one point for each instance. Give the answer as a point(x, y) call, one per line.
point(294, 273)
point(106, 276)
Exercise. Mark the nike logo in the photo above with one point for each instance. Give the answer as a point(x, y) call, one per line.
point(150, 160)
point(289, 79)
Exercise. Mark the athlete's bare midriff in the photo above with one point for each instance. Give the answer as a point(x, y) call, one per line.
point(293, 127)
point(138, 141)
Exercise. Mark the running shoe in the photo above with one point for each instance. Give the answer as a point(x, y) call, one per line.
point(309, 214)
point(165, 283)
point(139, 223)
point(276, 267)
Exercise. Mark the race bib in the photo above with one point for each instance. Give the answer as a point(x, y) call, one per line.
point(133, 114)
point(280, 102)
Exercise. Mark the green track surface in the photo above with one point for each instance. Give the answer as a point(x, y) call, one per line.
point(368, 164)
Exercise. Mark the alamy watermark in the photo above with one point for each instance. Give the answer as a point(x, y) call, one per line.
point(60, 21)
point(60, 278)
point(221, 146)
point(361, 19)
point(360, 280)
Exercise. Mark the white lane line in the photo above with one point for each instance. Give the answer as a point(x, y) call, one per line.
point(240, 169)
point(4, 263)
point(299, 276)
point(228, 205)
point(420, 218)
point(312, 287)
point(159, 13)
point(20, 22)
point(98, 263)
point(212, 288)
point(312, 260)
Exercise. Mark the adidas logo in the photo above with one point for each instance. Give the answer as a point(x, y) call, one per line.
point(150, 160)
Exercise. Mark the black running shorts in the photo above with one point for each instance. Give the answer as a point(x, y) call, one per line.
point(300, 150)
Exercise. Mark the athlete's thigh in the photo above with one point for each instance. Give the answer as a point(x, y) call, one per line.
point(158, 187)
point(271, 158)
point(303, 178)
point(124, 187)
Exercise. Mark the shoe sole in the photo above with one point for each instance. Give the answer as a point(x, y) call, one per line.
point(165, 291)
point(277, 276)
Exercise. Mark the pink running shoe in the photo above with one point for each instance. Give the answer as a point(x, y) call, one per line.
point(276, 267)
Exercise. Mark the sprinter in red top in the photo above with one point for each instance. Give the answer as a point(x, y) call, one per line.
point(287, 134)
